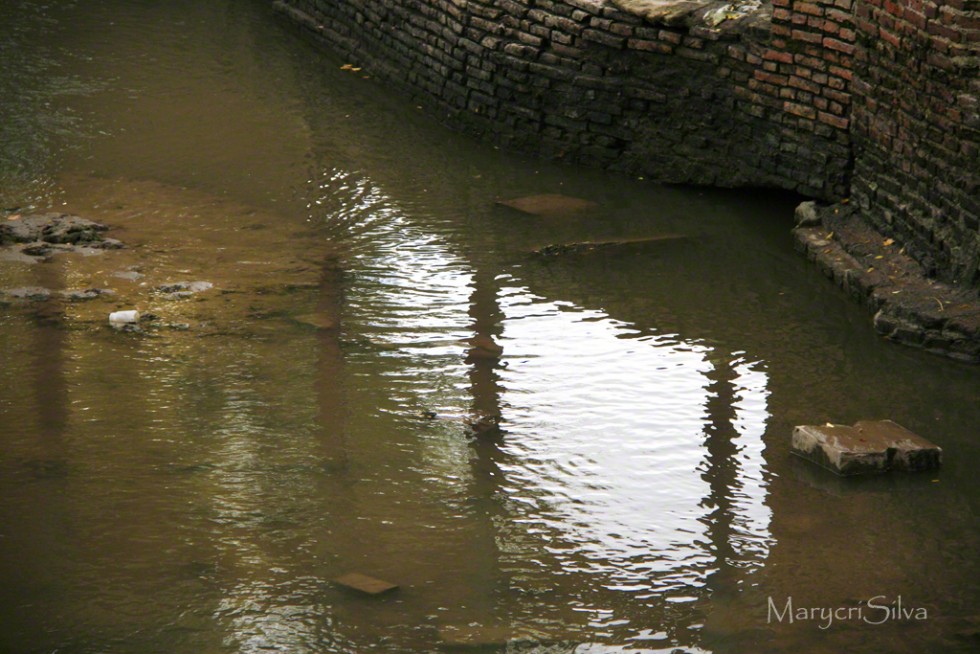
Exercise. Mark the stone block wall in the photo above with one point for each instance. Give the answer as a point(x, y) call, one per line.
point(875, 99)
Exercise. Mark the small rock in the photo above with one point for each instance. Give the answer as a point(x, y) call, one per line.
point(869, 446)
point(34, 293)
point(184, 287)
point(130, 275)
point(182, 290)
point(86, 294)
point(365, 584)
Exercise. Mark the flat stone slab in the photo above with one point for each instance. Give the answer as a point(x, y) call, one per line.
point(548, 204)
point(869, 446)
point(316, 320)
point(475, 636)
point(586, 247)
point(365, 584)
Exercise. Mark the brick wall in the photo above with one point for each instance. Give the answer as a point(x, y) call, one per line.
point(583, 81)
point(916, 127)
point(831, 98)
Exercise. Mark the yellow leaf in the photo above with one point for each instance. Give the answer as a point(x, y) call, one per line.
point(880, 257)
point(888, 241)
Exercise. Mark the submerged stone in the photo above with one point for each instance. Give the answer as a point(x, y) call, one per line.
point(182, 290)
point(585, 247)
point(475, 636)
point(81, 295)
point(867, 447)
point(365, 584)
point(35, 293)
point(483, 347)
point(548, 204)
point(316, 320)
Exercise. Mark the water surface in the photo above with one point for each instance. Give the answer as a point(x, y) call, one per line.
point(196, 490)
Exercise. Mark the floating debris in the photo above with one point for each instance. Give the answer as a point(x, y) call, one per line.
point(869, 446)
point(127, 317)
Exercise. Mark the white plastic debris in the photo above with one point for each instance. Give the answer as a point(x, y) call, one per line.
point(124, 317)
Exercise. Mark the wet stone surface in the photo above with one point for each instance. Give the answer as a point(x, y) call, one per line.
point(908, 307)
point(43, 234)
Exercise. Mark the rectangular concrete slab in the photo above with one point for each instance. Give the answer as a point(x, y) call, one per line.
point(867, 447)
point(365, 584)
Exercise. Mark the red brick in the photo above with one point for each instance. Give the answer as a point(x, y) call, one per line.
point(888, 37)
point(840, 122)
point(772, 78)
point(649, 46)
point(800, 110)
point(840, 46)
point(776, 55)
point(807, 8)
point(805, 84)
point(807, 37)
point(843, 98)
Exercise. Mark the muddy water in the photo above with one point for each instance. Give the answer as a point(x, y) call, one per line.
point(197, 486)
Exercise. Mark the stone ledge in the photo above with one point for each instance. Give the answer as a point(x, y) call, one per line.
point(908, 307)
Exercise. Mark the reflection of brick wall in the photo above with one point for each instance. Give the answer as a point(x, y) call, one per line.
point(916, 127)
point(765, 100)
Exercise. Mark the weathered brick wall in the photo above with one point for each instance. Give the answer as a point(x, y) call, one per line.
point(584, 81)
point(916, 127)
point(803, 95)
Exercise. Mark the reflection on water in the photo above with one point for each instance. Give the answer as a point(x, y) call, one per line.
point(615, 479)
